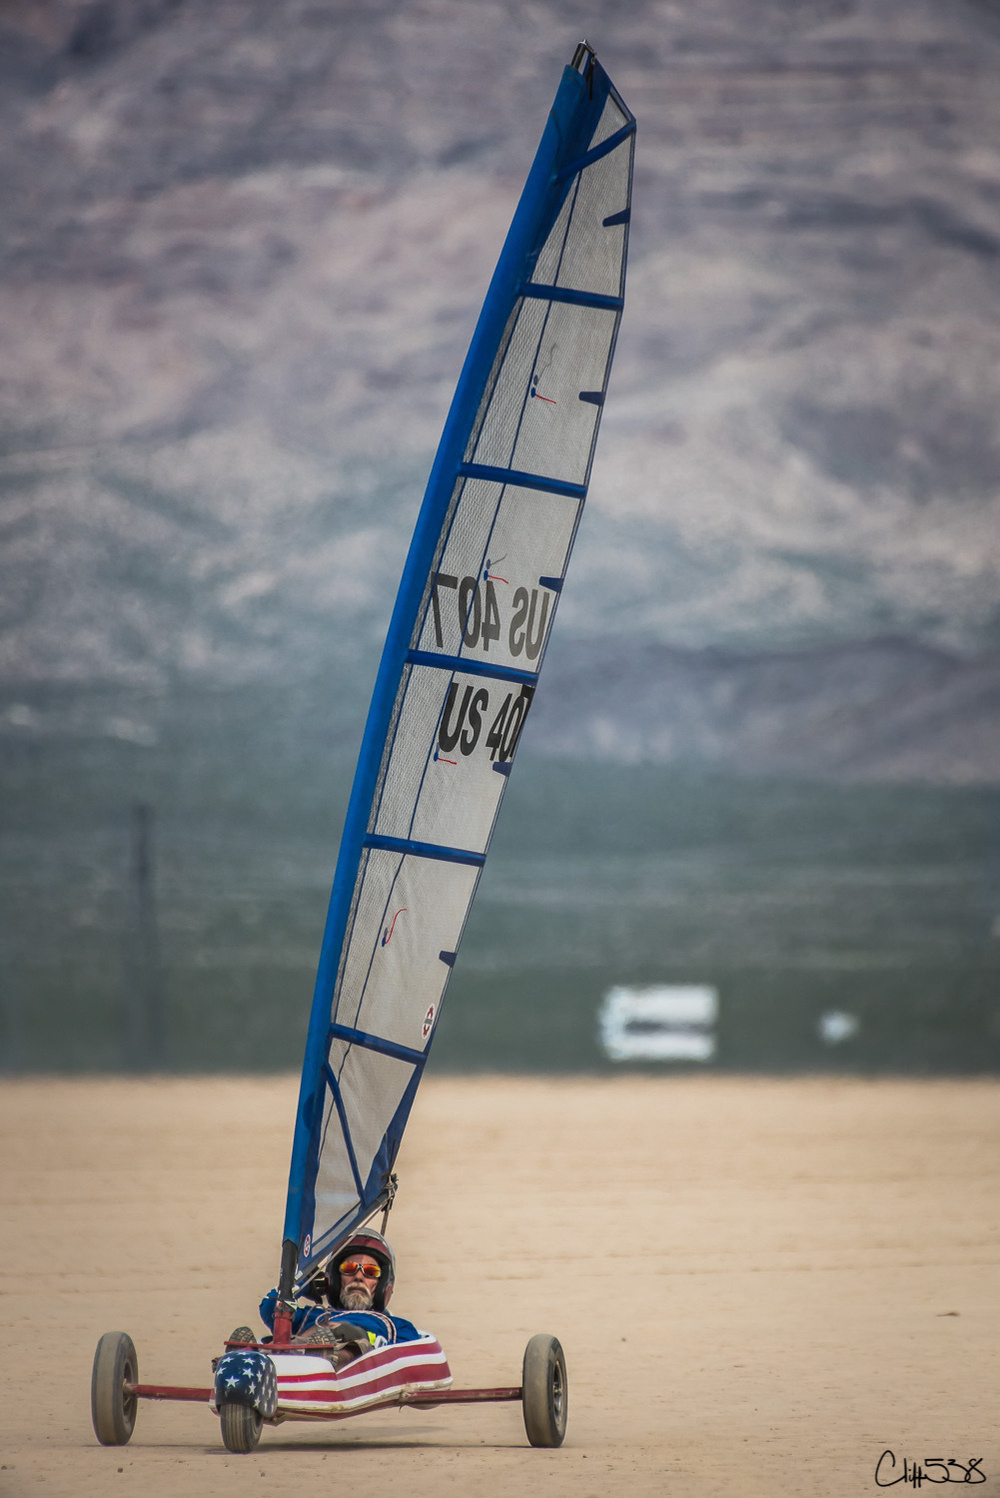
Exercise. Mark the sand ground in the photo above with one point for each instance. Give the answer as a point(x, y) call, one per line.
point(760, 1284)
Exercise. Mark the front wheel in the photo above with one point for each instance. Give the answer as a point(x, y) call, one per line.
point(112, 1410)
point(241, 1427)
point(544, 1391)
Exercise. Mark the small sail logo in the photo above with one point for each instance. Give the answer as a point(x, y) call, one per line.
point(307, 1245)
point(428, 1022)
point(388, 930)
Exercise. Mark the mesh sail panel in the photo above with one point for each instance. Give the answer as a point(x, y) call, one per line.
point(614, 117)
point(459, 672)
point(365, 1088)
point(444, 787)
point(537, 422)
point(409, 911)
point(588, 256)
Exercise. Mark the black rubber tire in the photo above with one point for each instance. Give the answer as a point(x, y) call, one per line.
point(544, 1389)
point(113, 1412)
point(241, 1427)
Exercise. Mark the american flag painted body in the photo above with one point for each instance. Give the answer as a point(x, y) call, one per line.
point(309, 1387)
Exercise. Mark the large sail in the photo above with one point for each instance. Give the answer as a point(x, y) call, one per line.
point(462, 657)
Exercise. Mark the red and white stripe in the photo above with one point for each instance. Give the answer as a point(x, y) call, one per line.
point(308, 1385)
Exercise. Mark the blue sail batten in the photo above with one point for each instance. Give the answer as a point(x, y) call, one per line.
point(572, 297)
point(450, 603)
point(342, 1113)
point(424, 850)
point(473, 667)
point(597, 153)
point(377, 1043)
point(522, 480)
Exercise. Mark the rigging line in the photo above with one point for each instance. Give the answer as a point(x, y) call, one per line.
point(471, 667)
point(567, 233)
point(492, 376)
point(389, 748)
point(423, 850)
point(595, 155)
point(362, 992)
point(502, 356)
point(516, 311)
point(575, 196)
point(338, 1103)
point(522, 480)
point(608, 360)
point(430, 758)
point(415, 656)
point(484, 559)
point(403, 686)
point(371, 1042)
point(349, 928)
point(596, 152)
point(418, 657)
point(388, 753)
point(539, 341)
point(554, 584)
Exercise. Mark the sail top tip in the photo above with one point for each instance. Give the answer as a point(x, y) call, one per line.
point(583, 55)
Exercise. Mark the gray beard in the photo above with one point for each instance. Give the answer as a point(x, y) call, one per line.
point(356, 1298)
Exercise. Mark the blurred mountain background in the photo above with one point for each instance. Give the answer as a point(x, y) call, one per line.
point(242, 251)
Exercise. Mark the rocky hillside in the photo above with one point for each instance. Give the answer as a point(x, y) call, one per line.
point(888, 710)
point(242, 250)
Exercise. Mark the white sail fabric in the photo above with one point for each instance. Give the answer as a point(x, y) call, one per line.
point(484, 605)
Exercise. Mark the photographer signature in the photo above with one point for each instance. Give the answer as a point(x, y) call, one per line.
point(915, 1473)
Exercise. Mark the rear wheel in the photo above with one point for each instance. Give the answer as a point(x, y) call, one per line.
point(113, 1411)
point(241, 1427)
point(544, 1391)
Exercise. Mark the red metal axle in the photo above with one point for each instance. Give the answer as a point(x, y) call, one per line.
point(166, 1391)
point(430, 1396)
point(459, 1396)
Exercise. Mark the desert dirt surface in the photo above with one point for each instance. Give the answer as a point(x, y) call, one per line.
point(760, 1284)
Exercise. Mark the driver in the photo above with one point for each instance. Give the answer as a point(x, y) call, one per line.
point(350, 1296)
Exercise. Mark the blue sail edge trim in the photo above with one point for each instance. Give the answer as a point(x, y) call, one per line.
point(470, 668)
point(572, 297)
point(522, 480)
point(604, 149)
point(376, 1043)
point(424, 850)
